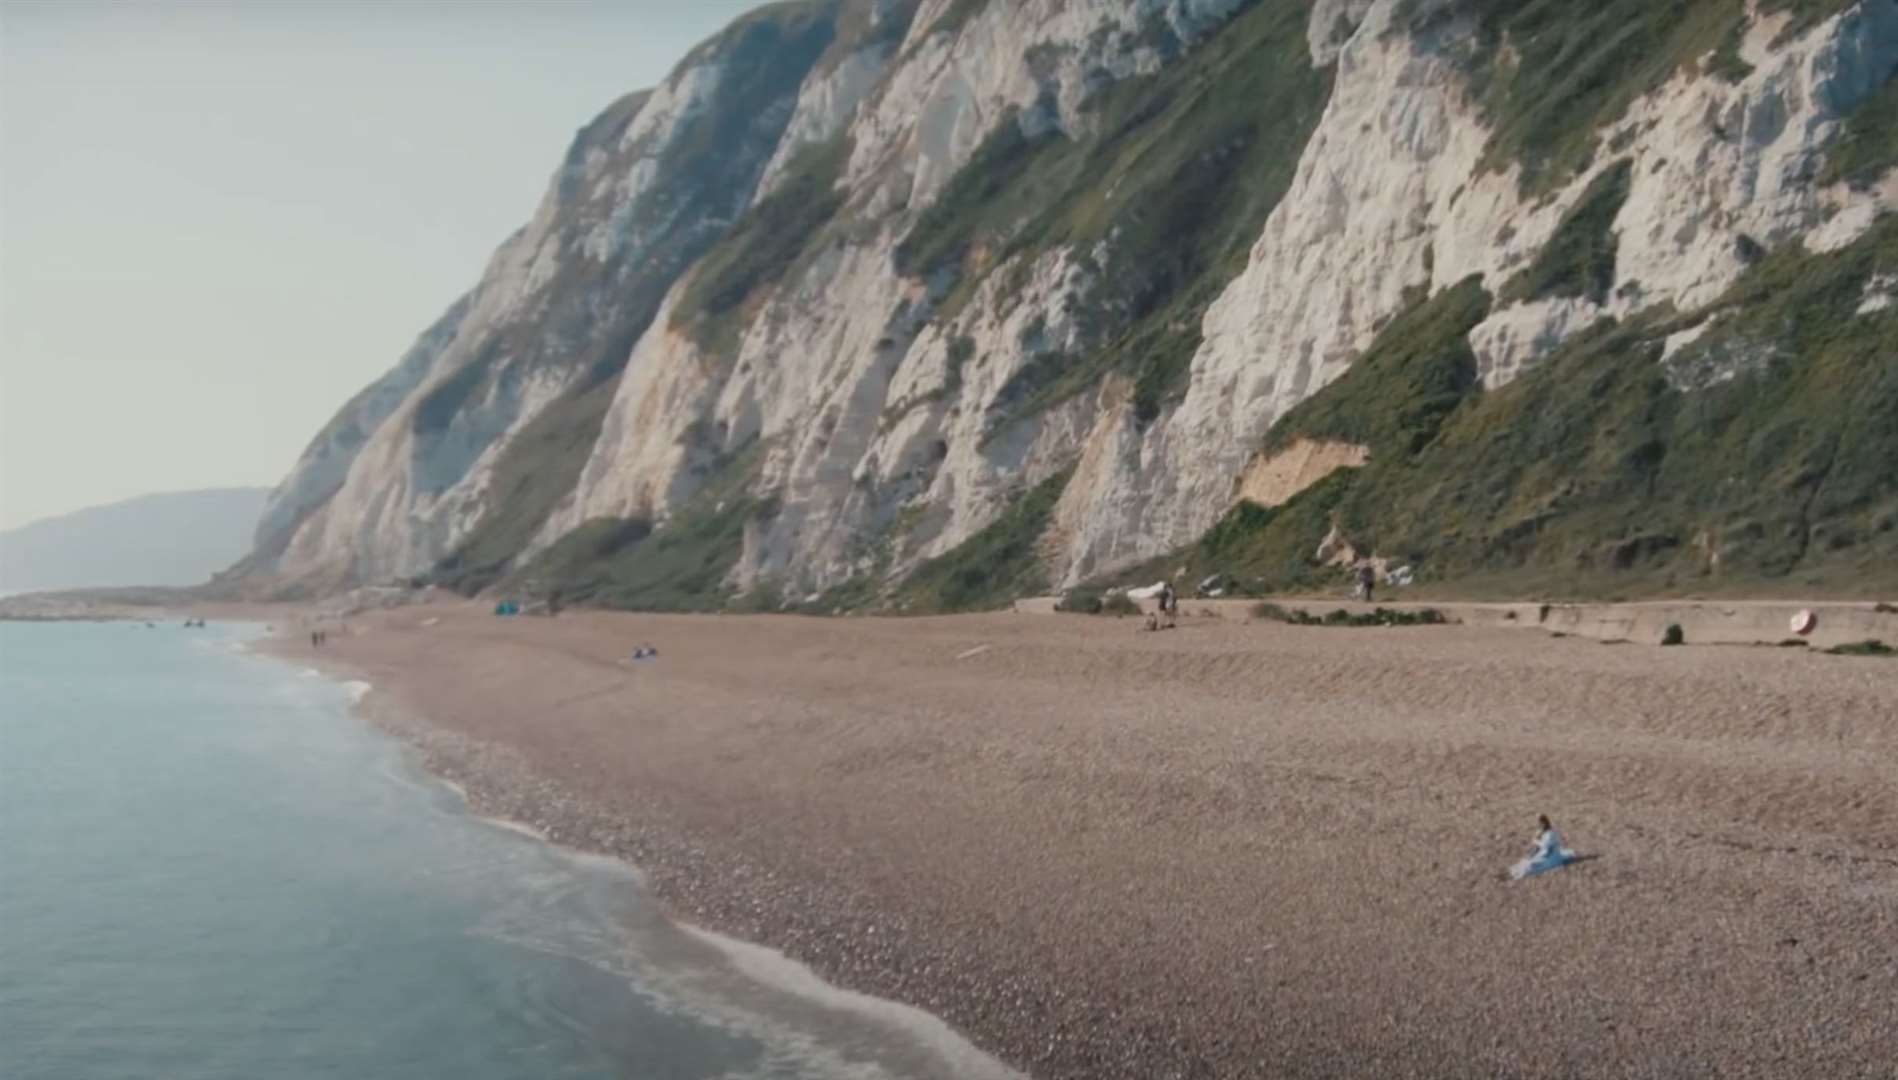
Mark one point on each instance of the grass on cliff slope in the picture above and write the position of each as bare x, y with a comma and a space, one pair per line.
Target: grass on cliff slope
1579, 259
1868, 147
1395, 398
534, 473
680, 565
1758, 459
1178, 171
993, 567
957, 16
763, 246
1550, 75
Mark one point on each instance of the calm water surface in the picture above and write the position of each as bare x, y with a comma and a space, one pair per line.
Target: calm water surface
208, 869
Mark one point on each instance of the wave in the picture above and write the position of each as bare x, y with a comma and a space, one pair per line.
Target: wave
929, 1033
594, 910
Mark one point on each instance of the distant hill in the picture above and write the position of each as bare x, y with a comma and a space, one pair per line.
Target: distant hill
179, 538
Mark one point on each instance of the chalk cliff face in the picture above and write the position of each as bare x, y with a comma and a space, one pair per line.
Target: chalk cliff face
407, 473
869, 287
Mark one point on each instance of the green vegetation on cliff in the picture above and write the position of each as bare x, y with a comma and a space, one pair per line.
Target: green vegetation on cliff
1579, 259
1552, 74
1756, 459
993, 567
540, 466
1261, 548
1748, 456
1394, 399
764, 244
1868, 147
679, 565
1177, 173
957, 15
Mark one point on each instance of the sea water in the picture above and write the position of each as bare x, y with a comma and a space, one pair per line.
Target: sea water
210, 869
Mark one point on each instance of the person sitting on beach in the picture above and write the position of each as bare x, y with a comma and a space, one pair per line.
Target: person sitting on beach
1548, 855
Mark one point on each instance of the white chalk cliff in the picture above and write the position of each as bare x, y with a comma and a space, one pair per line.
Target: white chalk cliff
885, 413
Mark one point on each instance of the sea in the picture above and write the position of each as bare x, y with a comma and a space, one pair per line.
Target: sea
211, 869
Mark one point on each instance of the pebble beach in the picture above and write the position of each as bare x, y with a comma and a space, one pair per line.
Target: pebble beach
1222, 850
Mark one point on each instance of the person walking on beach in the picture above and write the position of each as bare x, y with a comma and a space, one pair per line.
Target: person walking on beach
1367, 581
1169, 603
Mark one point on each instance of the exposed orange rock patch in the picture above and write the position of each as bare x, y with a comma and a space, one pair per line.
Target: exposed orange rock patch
1273, 480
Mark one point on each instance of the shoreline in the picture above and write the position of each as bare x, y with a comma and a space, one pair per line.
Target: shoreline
499, 789
1078, 905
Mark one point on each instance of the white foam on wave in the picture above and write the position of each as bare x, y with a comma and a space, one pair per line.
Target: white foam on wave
514, 827
773, 969
750, 990
722, 984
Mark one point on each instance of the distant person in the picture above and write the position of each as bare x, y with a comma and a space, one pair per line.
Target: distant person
1367, 581
1547, 839
1548, 855
1169, 602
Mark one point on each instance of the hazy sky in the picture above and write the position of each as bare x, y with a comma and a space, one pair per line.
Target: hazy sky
220, 220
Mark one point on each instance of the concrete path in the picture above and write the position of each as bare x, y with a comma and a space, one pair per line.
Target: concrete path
1703, 622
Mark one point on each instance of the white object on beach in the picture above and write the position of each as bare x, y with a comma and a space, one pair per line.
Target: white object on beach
977, 651
1805, 622
1549, 855
1147, 593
